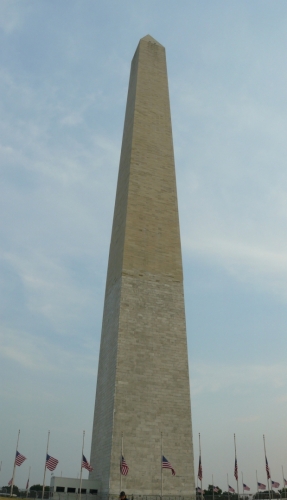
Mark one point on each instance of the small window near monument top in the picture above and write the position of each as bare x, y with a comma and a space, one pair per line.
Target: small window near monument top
93, 492
71, 490
60, 489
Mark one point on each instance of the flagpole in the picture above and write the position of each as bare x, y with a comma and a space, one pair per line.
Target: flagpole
228, 487
161, 464
257, 484
282, 478
45, 465
82, 465
242, 485
12, 484
268, 482
28, 481
201, 493
237, 467
121, 460
212, 488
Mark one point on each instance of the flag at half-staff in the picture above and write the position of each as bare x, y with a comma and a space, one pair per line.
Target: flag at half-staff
167, 465
245, 487
267, 468
274, 484
124, 467
230, 489
261, 486
199, 474
86, 465
51, 462
19, 459
236, 470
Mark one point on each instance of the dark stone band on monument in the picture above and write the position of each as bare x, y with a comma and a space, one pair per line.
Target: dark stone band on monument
142, 408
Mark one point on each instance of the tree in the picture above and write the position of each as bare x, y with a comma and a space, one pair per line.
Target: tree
39, 487
209, 491
8, 489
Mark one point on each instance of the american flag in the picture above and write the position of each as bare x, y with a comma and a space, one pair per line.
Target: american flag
19, 459
232, 490
275, 484
10, 482
236, 470
167, 465
215, 489
285, 482
51, 462
267, 469
124, 467
199, 475
198, 489
245, 487
27, 485
86, 465
261, 486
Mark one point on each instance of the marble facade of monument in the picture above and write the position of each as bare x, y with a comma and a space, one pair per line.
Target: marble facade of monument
143, 377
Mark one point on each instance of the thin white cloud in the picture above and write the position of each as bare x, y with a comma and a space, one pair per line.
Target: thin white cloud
243, 379
36, 353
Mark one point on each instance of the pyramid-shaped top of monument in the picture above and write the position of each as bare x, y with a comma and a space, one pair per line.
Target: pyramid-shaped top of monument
149, 38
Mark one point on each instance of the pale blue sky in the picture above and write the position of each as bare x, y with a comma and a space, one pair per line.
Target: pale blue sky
64, 69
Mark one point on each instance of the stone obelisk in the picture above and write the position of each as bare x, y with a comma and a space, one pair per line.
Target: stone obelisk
143, 380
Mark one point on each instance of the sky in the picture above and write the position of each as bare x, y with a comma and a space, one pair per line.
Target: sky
64, 70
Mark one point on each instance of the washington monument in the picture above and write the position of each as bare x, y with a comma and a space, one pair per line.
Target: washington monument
143, 394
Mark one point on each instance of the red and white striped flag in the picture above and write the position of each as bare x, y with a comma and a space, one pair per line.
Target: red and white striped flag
236, 470
86, 465
124, 467
51, 462
167, 465
19, 459
261, 486
199, 475
267, 469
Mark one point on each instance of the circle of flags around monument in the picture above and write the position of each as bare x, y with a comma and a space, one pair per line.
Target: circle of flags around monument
260, 486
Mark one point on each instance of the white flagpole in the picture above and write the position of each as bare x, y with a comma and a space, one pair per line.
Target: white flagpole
242, 485
28, 481
257, 484
201, 493
82, 465
13, 476
161, 464
45, 465
282, 478
268, 482
237, 466
228, 487
121, 460
212, 488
